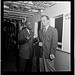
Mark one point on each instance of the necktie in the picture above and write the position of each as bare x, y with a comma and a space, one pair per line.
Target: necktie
28, 31
44, 29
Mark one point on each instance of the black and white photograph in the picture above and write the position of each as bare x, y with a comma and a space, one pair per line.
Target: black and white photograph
36, 36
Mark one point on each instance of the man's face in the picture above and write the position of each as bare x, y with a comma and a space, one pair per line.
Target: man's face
28, 24
44, 21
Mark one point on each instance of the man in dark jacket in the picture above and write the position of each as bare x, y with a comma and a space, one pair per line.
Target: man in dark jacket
25, 40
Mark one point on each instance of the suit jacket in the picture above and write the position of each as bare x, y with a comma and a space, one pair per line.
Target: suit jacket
26, 48
49, 40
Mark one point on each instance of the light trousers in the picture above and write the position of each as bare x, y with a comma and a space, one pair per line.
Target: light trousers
46, 65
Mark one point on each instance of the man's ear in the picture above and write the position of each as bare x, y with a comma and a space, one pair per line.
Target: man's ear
47, 21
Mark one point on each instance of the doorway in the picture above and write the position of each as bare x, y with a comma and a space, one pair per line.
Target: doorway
59, 27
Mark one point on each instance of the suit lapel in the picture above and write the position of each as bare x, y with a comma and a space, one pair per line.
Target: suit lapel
48, 30
44, 35
47, 33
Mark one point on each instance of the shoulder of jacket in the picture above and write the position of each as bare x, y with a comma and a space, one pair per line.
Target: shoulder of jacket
23, 30
53, 28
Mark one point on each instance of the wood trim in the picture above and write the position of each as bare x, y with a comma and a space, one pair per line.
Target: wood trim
58, 16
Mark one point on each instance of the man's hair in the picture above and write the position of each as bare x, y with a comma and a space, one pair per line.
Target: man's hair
45, 16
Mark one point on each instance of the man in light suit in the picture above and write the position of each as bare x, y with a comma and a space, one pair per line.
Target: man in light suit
49, 40
25, 41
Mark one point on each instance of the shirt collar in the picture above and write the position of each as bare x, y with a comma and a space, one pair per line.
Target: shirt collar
28, 30
47, 27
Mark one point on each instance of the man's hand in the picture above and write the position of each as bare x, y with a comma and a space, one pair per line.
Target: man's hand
52, 56
40, 44
28, 37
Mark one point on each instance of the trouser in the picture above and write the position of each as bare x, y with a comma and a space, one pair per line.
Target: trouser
46, 65
25, 65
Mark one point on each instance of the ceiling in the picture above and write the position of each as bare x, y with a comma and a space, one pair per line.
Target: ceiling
21, 9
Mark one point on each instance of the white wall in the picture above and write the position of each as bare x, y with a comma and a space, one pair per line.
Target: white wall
66, 34
58, 9
36, 30
34, 21
36, 18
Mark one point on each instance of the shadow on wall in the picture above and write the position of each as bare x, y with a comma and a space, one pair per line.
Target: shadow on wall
62, 61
